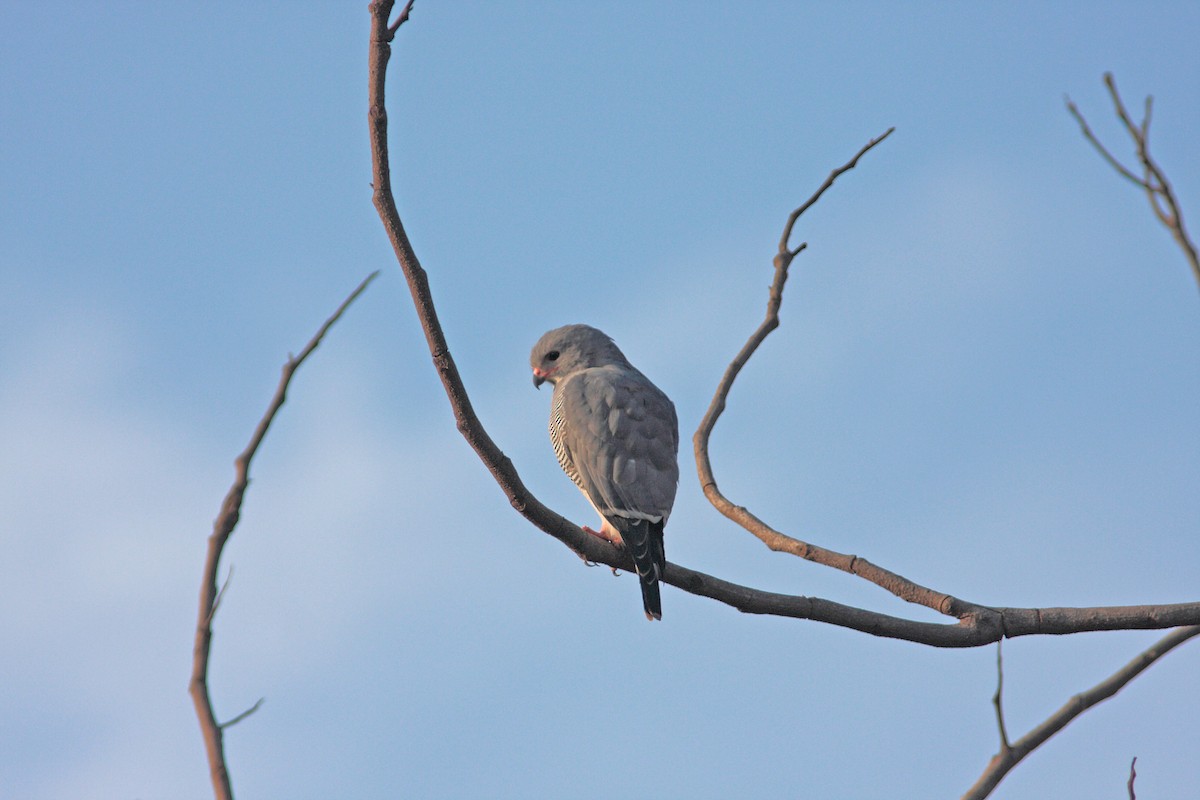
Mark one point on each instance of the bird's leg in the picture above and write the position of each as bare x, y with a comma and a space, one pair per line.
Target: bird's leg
607, 532
598, 534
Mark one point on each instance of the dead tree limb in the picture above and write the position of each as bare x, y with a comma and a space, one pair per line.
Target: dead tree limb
1008, 757
210, 596
976, 624
1153, 181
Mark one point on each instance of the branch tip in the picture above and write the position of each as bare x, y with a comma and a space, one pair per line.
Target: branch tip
403, 18
1153, 181
243, 715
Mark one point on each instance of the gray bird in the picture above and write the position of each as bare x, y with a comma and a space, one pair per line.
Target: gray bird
617, 437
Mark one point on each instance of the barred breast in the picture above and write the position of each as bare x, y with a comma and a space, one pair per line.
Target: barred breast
556, 428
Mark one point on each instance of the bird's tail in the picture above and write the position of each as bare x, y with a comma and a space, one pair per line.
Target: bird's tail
644, 541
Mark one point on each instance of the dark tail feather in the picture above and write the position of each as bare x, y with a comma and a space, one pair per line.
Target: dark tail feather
651, 599
644, 541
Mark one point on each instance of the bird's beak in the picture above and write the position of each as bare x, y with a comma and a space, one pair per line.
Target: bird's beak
538, 378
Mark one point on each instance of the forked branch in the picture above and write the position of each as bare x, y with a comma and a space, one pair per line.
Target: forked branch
1152, 180
210, 595
1008, 757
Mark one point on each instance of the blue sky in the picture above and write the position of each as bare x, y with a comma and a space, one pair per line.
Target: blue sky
985, 381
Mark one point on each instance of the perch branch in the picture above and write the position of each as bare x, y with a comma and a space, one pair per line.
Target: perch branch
1003, 762
976, 625
1153, 181
210, 596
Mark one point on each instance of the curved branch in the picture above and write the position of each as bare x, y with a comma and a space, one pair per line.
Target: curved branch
898, 585
210, 595
780, 542
977, 625
1008, 757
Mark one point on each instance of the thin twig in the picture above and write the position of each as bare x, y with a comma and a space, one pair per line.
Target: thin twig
976, 625
401, 18
998, 697
833, 176
243, 715
1101, 149
1003, 762
223, 527
212, 612
1132, 776
1153, 181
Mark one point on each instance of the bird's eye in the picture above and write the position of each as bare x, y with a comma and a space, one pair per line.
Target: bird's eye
552, 355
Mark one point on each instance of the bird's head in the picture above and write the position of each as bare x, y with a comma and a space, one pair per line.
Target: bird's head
568, 349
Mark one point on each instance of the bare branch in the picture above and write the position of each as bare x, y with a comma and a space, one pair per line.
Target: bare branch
896, 584
223, 527
243, 715
418, 283
998, 697
212, 612
810, 202
402, 18
1132, 776
976, 625
1101, 149
1153, 181
1003, 762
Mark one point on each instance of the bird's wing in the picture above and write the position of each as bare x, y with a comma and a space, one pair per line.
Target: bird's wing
621, 437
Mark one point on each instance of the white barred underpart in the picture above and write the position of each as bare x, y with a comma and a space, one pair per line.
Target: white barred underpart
556, 427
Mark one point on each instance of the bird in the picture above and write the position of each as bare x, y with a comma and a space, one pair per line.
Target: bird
616, 435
